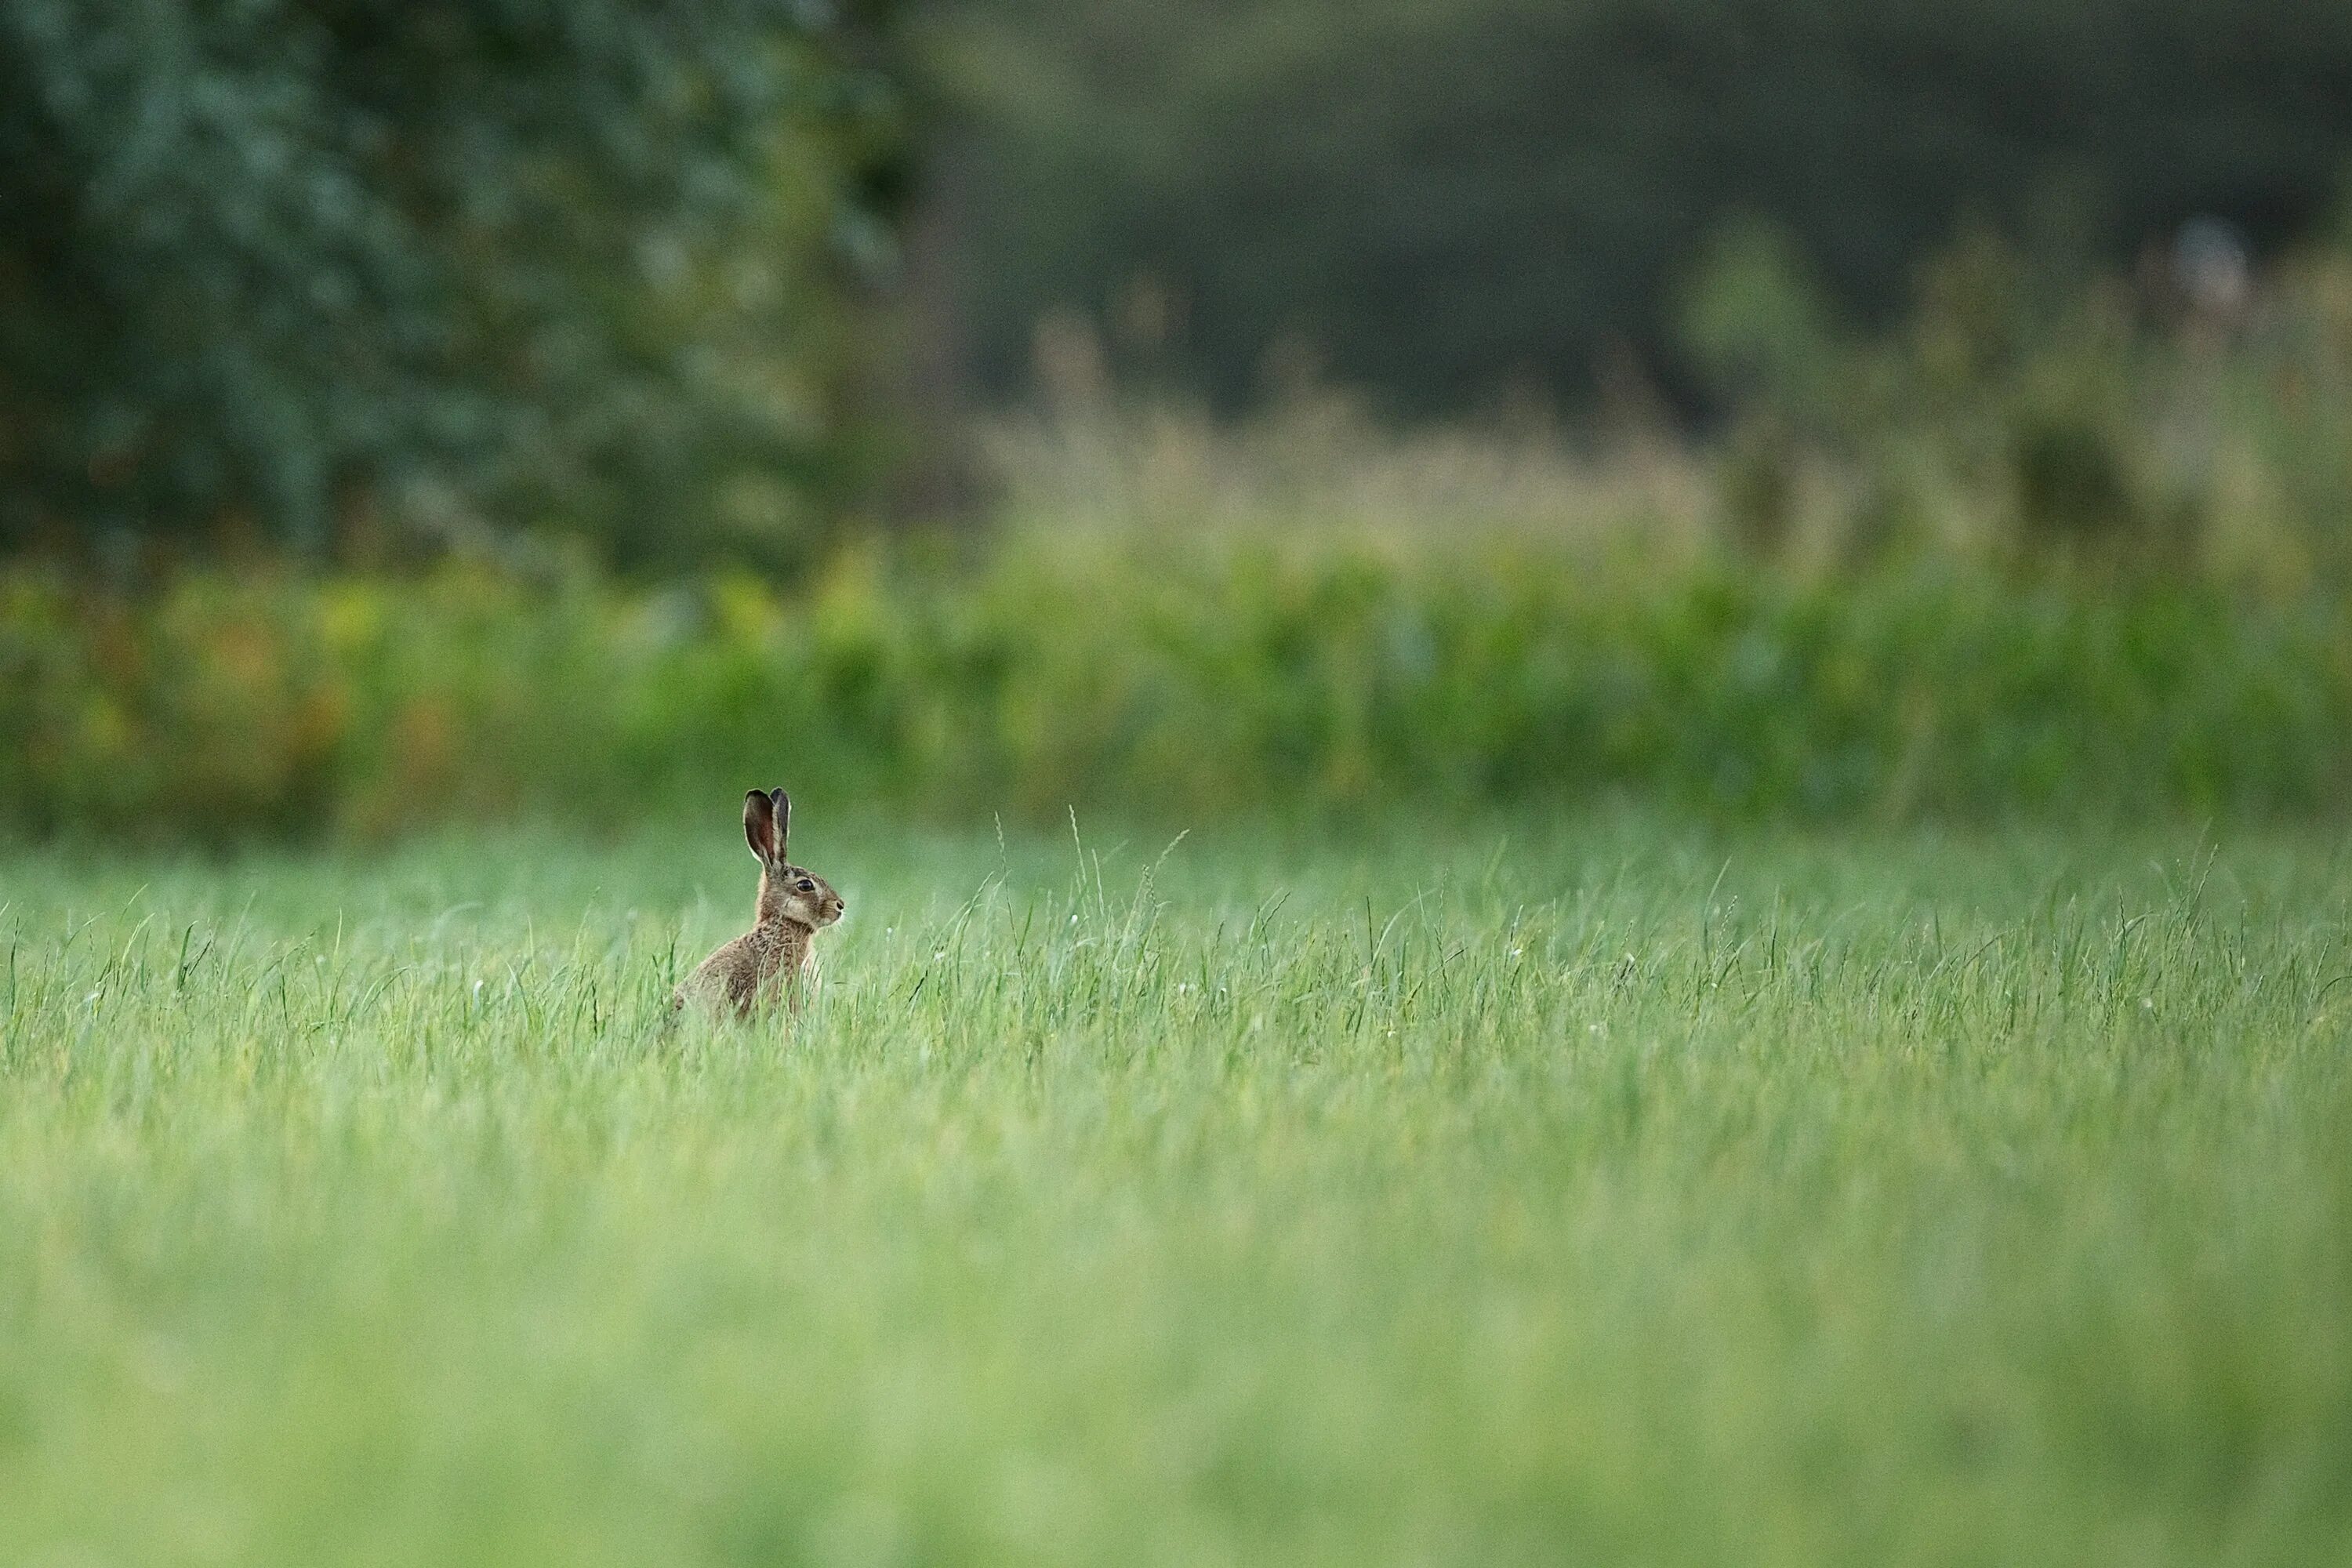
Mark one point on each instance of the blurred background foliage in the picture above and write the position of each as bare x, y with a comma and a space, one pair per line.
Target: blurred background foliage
1437, 199
310, 275
1795, 406
1187, 683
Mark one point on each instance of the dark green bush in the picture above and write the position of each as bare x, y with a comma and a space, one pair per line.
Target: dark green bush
301, 272
2071, 487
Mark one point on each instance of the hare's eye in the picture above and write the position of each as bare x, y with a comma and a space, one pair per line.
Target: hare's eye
806, 885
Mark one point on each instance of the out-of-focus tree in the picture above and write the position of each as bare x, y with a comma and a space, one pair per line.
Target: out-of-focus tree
325, 273
1440, 196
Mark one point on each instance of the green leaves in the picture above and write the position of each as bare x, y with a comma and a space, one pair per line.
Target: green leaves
1183, 683
309, 266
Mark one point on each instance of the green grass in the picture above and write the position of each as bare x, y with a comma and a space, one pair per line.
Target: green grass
1507, 1192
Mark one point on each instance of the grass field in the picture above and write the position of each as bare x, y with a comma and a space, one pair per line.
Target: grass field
1503, 1192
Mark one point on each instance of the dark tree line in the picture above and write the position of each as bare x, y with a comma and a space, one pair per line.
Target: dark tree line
1436, 197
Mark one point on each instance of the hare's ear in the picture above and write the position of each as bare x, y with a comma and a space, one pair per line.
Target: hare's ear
759, 826
784, 809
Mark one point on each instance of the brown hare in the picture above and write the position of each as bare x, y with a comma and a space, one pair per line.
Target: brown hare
772, 959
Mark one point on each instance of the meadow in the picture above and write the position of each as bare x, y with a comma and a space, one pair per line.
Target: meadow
1595, 1186
1660, 883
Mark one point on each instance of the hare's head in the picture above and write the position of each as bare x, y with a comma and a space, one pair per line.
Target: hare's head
787, 891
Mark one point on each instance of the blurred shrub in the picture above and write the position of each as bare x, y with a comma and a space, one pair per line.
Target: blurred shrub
2072, 488
2172, 420
1174, 682
316, 273
1760, 486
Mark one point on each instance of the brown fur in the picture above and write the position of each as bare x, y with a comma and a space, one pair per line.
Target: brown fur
775, 960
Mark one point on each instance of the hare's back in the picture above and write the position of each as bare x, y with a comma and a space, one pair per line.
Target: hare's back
733, 974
